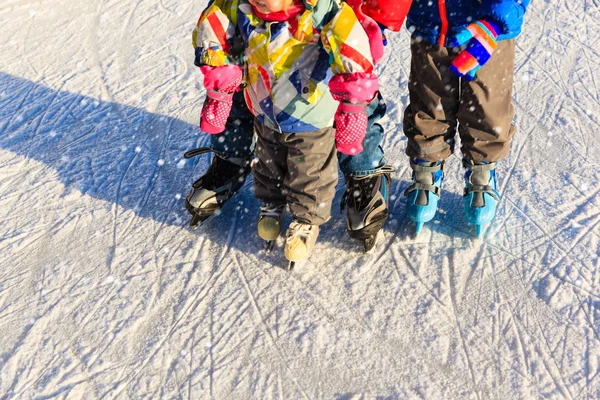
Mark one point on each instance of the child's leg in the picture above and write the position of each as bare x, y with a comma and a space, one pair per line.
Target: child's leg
310, 183
368, 180
229, 166
485, 127
271, 165
486, 111
269, 172
430, 122
312, 174
236, 141
430, 118
371, 158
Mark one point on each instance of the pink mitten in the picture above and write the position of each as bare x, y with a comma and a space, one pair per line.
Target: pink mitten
354, 91
350, 127
221, 83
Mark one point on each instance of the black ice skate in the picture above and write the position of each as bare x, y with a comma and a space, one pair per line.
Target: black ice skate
367, 201
222, 180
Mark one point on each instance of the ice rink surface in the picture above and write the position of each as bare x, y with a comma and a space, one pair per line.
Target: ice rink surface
105, 293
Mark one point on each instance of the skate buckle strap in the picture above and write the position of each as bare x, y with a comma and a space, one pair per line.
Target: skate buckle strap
481, 189
423, 168
422, 186
479, 167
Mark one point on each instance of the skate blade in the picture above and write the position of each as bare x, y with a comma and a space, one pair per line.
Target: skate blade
198, 219
269, 245
418, 227
369, 243
291, 265
196, 222
480, 230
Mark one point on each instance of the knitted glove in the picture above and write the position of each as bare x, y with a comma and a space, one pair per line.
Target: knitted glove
480, 38
221, 83
353, 91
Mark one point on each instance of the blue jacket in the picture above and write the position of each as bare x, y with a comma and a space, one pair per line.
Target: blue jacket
436, 21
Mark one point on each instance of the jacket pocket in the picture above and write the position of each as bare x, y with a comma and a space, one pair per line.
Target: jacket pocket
308, 89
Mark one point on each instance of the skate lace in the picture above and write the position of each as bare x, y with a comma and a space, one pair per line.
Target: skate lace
271, 210
298, 229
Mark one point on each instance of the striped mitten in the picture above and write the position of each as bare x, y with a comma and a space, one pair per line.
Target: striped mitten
480, 38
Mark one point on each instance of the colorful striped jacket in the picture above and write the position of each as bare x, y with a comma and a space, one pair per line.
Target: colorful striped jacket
288, 64
438, 21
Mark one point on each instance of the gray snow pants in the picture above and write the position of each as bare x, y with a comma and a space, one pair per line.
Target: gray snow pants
299, 169
440, 101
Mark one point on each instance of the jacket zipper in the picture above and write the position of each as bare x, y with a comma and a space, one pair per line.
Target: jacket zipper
443, 17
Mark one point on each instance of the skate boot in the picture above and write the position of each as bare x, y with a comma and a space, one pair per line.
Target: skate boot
269, 223
300, 239
367, 201
480, 197
424, 193
221, 181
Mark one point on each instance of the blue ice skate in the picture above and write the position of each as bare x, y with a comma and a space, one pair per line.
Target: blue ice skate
423, 194
480, 197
